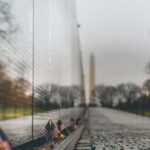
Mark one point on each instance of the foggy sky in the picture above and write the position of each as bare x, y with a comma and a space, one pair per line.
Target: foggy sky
118, 32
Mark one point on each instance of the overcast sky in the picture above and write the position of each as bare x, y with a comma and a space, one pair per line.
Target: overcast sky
118, 33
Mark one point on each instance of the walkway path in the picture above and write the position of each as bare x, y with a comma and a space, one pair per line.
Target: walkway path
109, 129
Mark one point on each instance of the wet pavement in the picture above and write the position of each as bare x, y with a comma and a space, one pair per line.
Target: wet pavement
115, 130
19, 130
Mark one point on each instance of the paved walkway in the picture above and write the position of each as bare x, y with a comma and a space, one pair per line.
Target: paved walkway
109, 129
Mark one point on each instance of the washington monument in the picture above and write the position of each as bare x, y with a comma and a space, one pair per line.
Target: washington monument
92, 81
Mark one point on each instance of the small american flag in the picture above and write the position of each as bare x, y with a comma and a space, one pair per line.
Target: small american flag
50, 131
56, 132
62, 128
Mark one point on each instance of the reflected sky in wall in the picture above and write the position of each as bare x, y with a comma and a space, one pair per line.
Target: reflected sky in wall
55, 35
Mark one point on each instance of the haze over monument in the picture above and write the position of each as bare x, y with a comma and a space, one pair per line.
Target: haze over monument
119, 36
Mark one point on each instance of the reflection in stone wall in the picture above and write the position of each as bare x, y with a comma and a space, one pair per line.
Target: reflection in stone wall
39, 65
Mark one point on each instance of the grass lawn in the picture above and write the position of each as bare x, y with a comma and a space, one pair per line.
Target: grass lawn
12, 113
19, 112
147, 114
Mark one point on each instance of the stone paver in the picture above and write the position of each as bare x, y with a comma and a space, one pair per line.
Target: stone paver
107, 133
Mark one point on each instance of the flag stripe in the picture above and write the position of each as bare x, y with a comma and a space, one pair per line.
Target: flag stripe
50, 130
44, 131
56, 131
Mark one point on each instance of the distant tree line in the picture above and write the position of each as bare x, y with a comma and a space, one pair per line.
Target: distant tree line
126, 96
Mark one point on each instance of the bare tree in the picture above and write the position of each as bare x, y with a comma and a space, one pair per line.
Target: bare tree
7, 25
147, 68
146, 85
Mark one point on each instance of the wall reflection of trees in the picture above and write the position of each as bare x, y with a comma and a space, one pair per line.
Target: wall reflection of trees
16, 99
55, 97
13, 94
